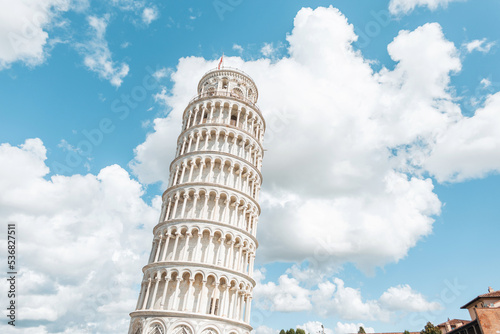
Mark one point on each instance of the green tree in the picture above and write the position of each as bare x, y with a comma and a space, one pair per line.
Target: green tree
361, 330
282, 331
405, 332
430, 329
290, 331
300, 331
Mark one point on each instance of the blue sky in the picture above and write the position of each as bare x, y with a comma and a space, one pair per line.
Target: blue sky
388, 155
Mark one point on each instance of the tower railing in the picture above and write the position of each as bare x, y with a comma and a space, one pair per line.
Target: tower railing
222, 93
228, 68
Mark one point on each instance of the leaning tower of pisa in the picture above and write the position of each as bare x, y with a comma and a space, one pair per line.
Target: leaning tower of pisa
198, 279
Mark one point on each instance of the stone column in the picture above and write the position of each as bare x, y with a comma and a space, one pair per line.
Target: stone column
175, 295
242, 305
164, 253
176, 242
247, 308
185, 196
146, 296
168, 208
186, 245
198, 244
189, 119
200, 175
195, 201
165, 289
155, 291
198, 136
205, 207
190, 142
141, 295
176, 196
160, 238
192, 166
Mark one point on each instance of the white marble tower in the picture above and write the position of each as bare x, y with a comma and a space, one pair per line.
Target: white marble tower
199, 276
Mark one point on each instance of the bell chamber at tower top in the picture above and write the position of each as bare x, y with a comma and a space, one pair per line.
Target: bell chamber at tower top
228, 82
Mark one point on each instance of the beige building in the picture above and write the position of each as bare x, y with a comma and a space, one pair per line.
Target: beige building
484, 311
488, 300
450, 325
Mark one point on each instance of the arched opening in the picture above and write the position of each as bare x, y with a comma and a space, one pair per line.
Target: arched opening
156, 328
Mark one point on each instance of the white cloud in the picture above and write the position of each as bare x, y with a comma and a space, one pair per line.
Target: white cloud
128, 5
97, 56
406, 6
23, 31
347, 328
335, 299
149, 14
479, 45
486, 82
238, 48
470, 148
344, 144
162, 73
316, 327
268, 49
264, 330
403, 297
331, 298
286, 296
82, 239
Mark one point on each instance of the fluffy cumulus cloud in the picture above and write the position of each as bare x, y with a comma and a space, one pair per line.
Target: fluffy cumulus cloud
82, 241
406, 6
403, 297
345, 328
24, 29
346, 147
470, 148
286, 296
264, 330
331, 298
97, 56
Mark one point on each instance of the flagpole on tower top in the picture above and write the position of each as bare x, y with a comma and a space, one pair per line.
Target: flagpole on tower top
221, 62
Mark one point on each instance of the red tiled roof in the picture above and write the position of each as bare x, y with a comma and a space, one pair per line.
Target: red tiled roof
454, 322
493, 294
490, 294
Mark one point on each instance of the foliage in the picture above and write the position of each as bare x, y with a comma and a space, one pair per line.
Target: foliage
430, 329
361, 330
293, 331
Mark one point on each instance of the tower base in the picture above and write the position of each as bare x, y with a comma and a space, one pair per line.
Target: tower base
162, 322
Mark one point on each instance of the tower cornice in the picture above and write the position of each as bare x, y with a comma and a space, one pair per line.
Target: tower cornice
194, 265
213, 185
175, 222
